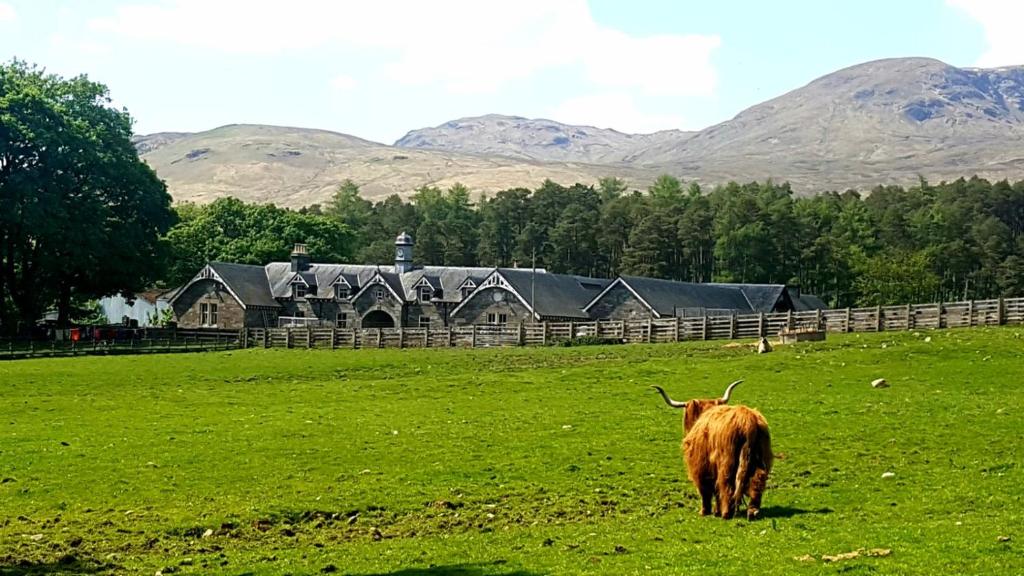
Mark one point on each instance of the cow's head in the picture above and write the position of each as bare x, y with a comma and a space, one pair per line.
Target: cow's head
694, 408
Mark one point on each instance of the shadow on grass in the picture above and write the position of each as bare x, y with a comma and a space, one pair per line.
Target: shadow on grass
67, 565
491, 569
789, 511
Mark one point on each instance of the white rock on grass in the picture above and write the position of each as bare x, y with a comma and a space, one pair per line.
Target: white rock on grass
879, 383
888, 475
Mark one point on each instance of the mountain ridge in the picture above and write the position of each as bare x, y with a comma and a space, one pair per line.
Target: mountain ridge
887, 121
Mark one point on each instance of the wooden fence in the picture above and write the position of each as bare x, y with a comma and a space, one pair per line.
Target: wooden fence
875, 319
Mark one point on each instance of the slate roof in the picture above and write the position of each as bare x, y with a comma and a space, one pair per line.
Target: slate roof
555, 295
762, 297
668, 296
802, 302
248, 282
447, 278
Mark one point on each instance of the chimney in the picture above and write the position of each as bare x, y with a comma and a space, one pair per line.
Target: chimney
300, 258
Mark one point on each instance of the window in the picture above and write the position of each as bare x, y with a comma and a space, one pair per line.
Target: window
342, 320
379, 294
499, 318
425, 293
492, 318
298, 291
207, 314
340, 291
502, 318
424, 322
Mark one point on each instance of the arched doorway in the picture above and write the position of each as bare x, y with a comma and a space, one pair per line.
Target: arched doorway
378, 319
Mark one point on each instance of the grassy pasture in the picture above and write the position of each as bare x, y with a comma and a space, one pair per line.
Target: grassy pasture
510, 462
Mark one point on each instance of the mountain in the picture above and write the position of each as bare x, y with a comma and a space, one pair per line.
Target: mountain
887, 121
879, 122
535, 139
297, 166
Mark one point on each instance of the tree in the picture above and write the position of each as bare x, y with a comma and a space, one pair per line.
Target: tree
80, 215
230, 230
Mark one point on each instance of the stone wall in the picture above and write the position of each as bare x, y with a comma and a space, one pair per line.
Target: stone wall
367, 302
482, 303
230, 314
619, 304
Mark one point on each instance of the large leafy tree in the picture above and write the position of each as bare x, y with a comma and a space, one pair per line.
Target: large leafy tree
80, 215
230, 230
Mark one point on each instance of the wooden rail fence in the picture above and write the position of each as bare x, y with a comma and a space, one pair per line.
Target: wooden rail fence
873, 319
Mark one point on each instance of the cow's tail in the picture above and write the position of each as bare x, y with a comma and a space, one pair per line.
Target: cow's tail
742, 475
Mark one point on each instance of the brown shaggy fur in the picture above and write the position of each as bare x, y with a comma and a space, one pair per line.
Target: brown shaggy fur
728, 454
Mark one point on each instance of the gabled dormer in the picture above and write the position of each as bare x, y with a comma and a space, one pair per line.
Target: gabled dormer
299, 287
424, 290
343, 290
466, 288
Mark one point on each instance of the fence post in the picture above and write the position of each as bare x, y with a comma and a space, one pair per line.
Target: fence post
704, 328
849, 320
426, 336
878, 318
938, 318
334, 337
380, 337
1001, 312
309, 337
544, 333
244, 337
675, 329
266, 340
732, 327
572, 330
817, 319
472, 342
522, 334
789, 319
401, 338
909, 319
970, 313
760, 324
355, 337
451, 336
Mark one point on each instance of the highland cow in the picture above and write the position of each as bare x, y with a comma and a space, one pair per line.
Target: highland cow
728, 452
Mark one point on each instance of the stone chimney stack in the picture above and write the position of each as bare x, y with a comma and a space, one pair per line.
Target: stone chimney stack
300, 258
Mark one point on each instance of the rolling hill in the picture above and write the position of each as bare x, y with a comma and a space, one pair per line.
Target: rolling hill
887, 121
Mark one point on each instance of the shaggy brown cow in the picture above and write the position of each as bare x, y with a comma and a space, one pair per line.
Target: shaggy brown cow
728, 452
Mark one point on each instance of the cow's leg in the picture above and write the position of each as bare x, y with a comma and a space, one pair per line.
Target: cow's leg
757, 486
706, 486
724, 494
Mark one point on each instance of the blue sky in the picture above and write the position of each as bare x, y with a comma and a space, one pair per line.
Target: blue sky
378, 69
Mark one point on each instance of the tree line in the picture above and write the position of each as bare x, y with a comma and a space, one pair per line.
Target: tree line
924, 243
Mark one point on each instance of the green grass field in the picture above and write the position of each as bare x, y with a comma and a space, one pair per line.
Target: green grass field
510, 462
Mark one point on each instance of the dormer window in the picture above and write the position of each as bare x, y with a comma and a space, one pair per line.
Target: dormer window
341, 291
298, 291
425, 293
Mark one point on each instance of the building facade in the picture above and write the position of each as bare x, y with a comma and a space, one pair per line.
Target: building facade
303, 293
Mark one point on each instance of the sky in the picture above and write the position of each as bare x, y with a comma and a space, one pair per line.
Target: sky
379, 68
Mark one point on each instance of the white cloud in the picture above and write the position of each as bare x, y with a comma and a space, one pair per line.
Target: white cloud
462, 45
612, 110
1001, 21
343, 83
7, 13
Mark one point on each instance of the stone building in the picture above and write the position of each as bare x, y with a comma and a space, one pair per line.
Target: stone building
303, 293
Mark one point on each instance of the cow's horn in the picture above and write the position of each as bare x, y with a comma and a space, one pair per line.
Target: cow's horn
728, 391
668, 400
